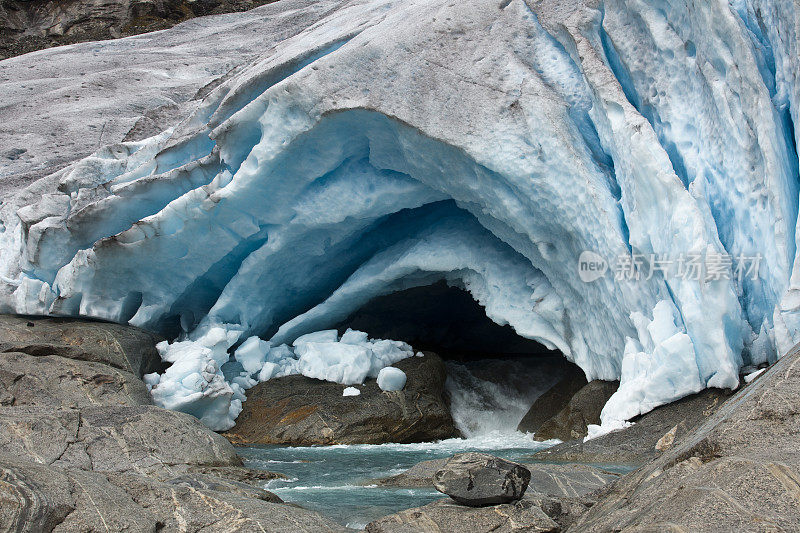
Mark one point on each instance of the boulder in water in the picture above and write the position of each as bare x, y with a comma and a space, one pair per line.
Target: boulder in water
298, 410
553, 400
478, 479
583, 409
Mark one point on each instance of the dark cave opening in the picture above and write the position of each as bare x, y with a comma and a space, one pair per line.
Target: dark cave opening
445, 320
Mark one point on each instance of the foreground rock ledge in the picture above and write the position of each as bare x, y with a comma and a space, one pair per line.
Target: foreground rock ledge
738, 471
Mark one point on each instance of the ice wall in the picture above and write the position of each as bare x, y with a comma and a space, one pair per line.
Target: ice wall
489, 144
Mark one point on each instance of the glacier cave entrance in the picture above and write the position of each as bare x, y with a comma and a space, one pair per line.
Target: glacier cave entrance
445, 320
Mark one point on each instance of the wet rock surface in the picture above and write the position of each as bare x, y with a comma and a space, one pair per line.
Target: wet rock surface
419, 475
478, 479
82, 448
582, 409
297, 410
553, 400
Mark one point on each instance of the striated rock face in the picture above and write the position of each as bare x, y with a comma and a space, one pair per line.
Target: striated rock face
38, 498
142, 439
123, 347
28, 25
583, 408
301, 411
446, 516
478, 479
738, 471
61, 382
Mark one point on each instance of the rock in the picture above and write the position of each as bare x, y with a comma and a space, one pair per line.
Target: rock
639, 443
446, 516
737, 471
567, 480
123, 347
556, 480
141, 439
583, 409
554, 400
297, 410
419, 475
564, 510
478, 479
39, 498
53, 381
185, 508
209, 482
236, 473
83, 449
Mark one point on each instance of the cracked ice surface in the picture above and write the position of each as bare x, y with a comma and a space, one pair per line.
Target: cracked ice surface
384, 145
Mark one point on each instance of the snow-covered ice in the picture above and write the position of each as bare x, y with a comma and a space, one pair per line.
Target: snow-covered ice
195, 382
324, 153
351, 391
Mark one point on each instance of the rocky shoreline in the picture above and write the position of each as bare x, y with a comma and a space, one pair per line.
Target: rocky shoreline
84, 449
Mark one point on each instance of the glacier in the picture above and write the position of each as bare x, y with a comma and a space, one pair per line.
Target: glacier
332, 152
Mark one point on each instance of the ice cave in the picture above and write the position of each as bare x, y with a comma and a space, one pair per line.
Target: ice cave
474, 149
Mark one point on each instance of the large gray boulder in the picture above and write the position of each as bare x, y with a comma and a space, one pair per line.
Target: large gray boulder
738, 471
478, 479
302, 411
123, 347
53, 381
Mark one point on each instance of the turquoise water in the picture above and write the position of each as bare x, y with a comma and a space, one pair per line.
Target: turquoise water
335, 480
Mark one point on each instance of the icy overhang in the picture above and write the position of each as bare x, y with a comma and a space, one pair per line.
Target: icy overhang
395, 144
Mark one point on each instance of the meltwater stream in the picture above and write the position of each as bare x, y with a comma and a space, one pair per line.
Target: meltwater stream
488, 399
